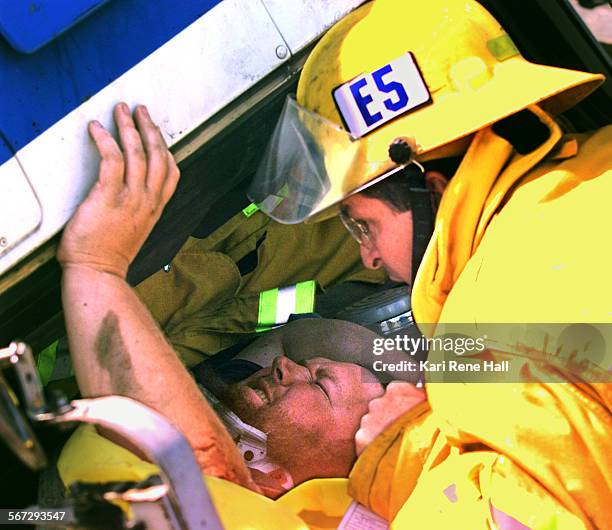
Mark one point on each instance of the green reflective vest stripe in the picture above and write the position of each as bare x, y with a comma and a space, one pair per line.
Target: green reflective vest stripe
250, 209
46, 362
276, 305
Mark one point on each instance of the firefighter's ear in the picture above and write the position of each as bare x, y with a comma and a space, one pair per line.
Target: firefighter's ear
436, 183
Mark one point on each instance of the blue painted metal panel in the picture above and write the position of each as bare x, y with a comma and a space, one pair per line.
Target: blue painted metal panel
38, 90
29, 25
5, 150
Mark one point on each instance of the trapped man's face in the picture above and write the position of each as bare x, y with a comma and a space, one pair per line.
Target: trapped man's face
310, 412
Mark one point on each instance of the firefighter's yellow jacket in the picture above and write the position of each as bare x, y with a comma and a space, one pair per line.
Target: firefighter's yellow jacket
529, 244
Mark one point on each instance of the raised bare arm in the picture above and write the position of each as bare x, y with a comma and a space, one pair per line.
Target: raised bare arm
116, 346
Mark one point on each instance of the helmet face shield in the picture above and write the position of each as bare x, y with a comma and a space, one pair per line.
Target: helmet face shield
305, 155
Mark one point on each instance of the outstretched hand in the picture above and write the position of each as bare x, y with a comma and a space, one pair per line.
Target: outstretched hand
136, 180
399, 398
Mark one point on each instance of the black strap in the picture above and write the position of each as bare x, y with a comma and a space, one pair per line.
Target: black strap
422, 218
523, 130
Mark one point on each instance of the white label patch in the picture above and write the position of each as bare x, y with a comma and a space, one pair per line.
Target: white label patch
358, 517
371, 100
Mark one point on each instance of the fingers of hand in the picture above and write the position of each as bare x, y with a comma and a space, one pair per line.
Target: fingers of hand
399, 397
401, 389
378, 404
362, 439
171, 180
372, 424
135, 160
369, 421
156, 149
143, 168
398, 385
112, 165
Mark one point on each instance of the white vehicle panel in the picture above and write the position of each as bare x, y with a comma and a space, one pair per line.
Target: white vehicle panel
20, 212
183, 83
302, 22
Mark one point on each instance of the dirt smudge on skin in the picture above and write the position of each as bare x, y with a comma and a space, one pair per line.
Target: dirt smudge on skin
113, 356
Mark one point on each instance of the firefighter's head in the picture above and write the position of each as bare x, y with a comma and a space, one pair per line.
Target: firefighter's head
392, 83
382, 220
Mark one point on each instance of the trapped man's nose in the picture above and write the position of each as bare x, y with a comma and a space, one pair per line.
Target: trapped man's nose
287, 372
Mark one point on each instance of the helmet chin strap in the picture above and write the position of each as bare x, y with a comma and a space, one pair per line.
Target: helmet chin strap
422, 218
402, 151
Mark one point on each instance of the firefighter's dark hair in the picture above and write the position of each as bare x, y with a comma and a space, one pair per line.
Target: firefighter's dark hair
394, 191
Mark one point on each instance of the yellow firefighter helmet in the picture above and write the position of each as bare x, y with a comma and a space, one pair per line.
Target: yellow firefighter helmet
395, 80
